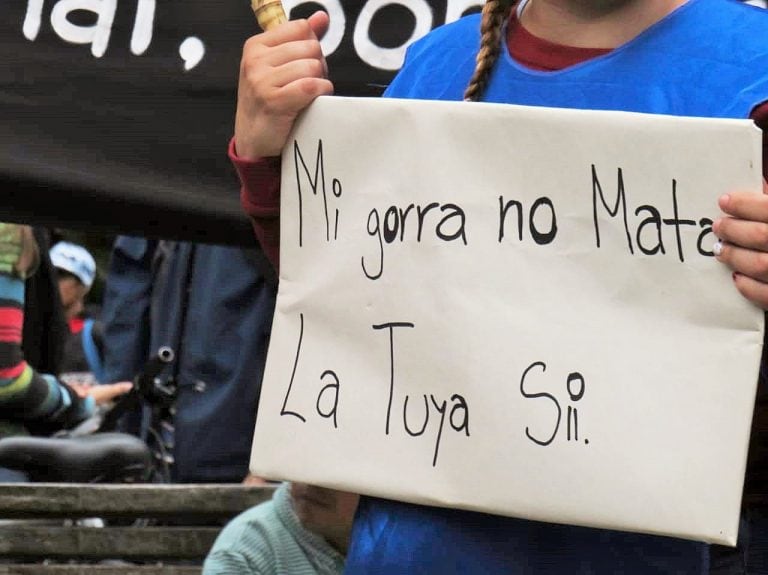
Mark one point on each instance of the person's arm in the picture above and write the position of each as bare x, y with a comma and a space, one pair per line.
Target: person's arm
25, 395
260, 198
281, 72
40, 401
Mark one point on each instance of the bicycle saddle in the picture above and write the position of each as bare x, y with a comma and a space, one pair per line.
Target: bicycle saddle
98, 458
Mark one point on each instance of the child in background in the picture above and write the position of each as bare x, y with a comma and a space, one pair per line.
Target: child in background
83, 351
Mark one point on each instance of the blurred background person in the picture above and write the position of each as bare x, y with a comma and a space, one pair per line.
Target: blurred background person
83, 350
213, 306
32, 402
303, 530
76, 271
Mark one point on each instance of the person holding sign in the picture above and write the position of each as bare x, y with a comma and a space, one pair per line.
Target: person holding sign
678, 57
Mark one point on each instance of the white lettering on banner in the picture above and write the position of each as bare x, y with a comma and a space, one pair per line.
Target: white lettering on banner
142, 27
96, 35
31, 25
389, 58
192, 49
455, 9
369, 52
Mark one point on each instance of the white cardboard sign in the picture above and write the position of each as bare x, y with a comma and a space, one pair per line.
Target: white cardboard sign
513, 310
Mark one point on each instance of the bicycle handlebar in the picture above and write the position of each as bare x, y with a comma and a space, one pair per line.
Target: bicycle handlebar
147, 386
145, 382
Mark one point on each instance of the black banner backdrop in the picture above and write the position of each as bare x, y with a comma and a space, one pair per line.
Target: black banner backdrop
115, 114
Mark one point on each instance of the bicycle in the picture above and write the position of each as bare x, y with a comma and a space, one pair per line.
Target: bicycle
93, 451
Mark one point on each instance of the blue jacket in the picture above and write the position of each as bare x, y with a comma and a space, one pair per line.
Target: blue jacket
213, 306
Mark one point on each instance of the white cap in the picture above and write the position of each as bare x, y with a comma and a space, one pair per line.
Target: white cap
76, 260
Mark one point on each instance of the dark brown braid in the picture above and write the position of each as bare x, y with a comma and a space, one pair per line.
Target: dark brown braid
495, 13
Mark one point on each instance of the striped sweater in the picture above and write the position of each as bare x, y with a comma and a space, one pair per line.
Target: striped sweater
27, 399
269, 539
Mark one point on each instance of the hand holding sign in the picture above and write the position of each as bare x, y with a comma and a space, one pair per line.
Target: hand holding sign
281, 72
742, 232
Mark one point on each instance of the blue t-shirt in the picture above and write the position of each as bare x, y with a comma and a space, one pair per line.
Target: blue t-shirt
707, 58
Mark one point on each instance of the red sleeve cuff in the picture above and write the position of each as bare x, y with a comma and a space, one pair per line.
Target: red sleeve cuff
260, 198
260, 179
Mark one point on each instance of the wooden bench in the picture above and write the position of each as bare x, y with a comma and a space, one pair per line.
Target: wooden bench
184, 521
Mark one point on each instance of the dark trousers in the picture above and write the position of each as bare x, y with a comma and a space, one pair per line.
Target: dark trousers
750, 556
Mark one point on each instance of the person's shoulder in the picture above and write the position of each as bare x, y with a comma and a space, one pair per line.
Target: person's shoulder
438, 65
706, 17
248, 531
258, 540
745, 17
744, 40
460, 33
696, 33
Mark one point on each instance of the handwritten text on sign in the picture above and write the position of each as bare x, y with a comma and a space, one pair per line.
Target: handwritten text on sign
519, 298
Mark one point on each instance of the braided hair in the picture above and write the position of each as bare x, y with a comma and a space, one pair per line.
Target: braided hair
495, 13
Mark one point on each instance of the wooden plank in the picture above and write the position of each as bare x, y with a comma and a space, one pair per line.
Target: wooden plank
43, 500
44, 542
158, 569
